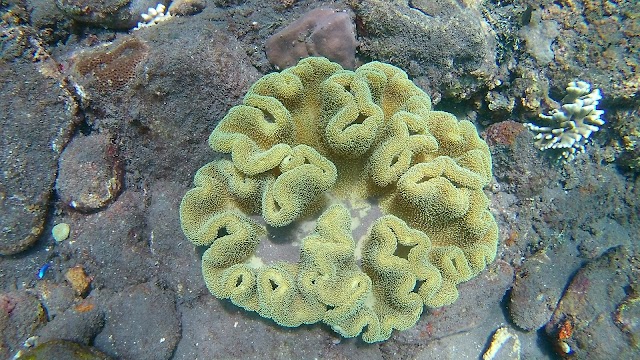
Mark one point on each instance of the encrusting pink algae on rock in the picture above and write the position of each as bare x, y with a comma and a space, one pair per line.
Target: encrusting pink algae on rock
311, 138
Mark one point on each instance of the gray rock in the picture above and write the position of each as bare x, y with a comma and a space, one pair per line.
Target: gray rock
37, 117
539, 285
443, 42
79, 323
217, 329
20, 316
141, 322
55, 297
587, 322
90, 173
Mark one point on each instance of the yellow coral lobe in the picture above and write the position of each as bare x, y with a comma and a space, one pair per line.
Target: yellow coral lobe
305, 142
305, 174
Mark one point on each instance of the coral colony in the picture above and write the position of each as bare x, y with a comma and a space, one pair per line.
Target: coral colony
153, 16
576, 121
313, 133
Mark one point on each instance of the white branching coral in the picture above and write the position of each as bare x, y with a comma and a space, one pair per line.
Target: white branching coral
577, 119
153, 16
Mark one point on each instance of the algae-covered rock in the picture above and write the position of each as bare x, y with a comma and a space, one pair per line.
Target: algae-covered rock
113, 14
312, 137
446, 41
597, 301
62, 349
38, 117
90, 175
21, 314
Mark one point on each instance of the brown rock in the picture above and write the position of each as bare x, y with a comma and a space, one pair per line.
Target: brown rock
20, 315
186, 7
90, 175
445, 44
586, 323
320, 32
36, 117
78, 279
112, 69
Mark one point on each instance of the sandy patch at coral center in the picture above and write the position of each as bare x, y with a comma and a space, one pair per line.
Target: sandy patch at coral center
283, 244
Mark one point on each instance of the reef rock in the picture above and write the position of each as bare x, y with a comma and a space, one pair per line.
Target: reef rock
320, 32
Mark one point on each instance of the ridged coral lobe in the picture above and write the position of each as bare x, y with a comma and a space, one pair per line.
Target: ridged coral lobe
316, 130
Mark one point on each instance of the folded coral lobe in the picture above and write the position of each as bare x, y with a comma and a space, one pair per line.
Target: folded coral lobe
305, 143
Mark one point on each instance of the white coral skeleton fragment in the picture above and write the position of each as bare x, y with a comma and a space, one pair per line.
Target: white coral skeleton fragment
573, 123
154, 16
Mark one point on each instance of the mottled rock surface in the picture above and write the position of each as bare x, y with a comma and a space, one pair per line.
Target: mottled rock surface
21, 314
186, 7
444, 44
585, 325
90, 173
36, 119
538, 286
516, 159
141, 322
79, 323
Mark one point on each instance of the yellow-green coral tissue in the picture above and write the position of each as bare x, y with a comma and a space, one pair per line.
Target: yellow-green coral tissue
305, 146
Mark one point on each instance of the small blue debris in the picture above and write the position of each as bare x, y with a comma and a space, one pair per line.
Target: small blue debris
43, 270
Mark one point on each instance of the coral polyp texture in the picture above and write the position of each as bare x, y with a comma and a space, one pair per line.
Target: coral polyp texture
305, 142
113, 68
573, 124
